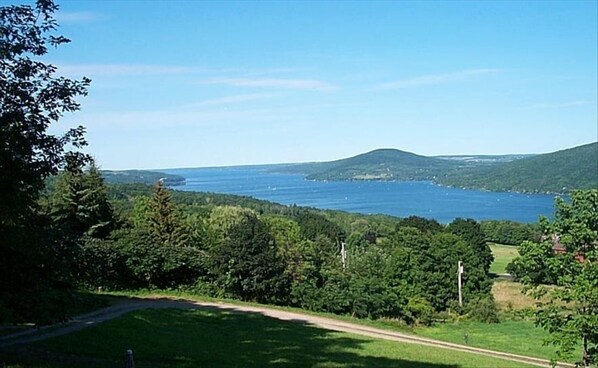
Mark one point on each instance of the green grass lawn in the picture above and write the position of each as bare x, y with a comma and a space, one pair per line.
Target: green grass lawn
518, 337
503, 255
193, 338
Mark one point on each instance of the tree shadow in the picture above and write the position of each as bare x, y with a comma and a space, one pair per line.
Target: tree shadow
211, 337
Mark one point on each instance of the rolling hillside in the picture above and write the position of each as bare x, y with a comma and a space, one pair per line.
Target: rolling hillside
382, 164
141, 176
557, 172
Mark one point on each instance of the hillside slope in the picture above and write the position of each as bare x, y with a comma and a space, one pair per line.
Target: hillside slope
382, 164
557, 172
141, 176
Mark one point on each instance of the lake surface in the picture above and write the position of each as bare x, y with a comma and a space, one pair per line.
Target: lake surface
393, 198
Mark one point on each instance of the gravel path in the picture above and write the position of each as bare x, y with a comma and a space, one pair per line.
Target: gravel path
117, 310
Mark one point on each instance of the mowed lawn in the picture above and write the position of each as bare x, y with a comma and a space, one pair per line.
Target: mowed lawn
518, 337
194, 338
503, 255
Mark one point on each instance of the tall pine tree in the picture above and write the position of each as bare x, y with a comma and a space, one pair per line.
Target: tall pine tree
79, 205
166, 225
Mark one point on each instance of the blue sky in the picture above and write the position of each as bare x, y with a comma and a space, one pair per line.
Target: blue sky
198, 83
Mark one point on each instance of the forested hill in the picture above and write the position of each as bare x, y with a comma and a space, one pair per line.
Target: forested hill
557, 172
382, 164
141, 176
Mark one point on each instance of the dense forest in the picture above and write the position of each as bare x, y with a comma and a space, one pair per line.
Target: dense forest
557, 172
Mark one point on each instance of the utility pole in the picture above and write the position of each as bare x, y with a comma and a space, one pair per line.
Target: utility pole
459, 273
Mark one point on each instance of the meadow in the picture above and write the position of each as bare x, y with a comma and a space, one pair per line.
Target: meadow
503, 255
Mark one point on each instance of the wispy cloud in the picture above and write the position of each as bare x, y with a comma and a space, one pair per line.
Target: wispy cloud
434, 79
126, 69
560, 104
296, 84
78, 17
229, 100
175, 118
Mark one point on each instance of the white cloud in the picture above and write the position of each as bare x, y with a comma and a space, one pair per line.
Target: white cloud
78, 17
228, 100
434, 79
296, 84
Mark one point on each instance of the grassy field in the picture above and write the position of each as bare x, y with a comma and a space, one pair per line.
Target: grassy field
528, 338
519, 337
178, 338
503, 255
508, 295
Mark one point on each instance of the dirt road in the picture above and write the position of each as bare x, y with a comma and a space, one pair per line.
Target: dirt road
114, 311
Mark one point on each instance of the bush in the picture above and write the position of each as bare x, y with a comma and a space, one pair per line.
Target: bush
419, 311
483, 310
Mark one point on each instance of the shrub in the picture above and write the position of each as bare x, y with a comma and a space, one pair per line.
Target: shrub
483, 310
419, 311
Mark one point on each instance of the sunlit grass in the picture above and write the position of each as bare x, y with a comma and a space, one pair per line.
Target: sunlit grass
503, 255
508, 295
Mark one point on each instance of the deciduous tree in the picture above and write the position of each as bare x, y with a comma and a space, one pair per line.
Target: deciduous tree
32, 97
569, 311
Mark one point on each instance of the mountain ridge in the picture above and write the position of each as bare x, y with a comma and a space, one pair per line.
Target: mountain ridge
555, 172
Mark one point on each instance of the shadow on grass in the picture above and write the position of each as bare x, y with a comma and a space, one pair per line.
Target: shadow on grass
209, 338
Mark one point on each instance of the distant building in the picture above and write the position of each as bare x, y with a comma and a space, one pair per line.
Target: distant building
558, 248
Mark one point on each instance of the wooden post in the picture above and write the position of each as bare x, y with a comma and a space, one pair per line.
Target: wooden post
129, 362
459, 272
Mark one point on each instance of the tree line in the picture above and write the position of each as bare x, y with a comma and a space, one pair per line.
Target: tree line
284, 255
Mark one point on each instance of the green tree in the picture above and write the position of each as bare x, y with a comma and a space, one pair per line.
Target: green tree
247, 265
286, 233
370, 292
471, 231
222, 218
428, 263
79, 204
32, 97
165, 222
313, 224
533, 266
569, 311
509, 232
421, 223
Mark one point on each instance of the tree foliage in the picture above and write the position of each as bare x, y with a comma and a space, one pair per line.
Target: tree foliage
509, 232
32, 97
568, 310
471, 231
165, 223
420, 223
79, 205
246, 264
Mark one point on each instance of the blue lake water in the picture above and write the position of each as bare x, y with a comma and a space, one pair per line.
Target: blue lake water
393, 198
